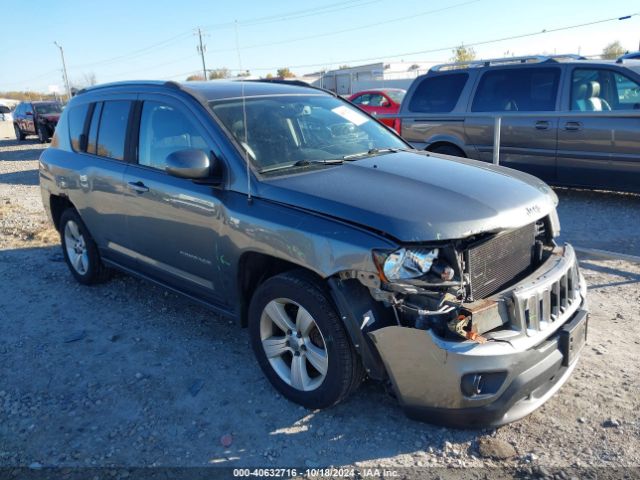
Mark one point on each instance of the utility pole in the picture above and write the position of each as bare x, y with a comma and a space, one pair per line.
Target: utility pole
201, 49
64, 71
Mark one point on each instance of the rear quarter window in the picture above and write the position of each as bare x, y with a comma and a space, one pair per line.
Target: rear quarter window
438, 94
77, 116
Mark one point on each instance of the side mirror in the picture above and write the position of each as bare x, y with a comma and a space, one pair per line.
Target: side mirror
189, 163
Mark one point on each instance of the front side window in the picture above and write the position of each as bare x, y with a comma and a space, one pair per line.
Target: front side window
517, 90
362, 99
164, 130
48, 108
289, 131
113, 129
77, 117
438, 94
603, 90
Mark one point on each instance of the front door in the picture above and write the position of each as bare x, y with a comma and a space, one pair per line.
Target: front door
173, 223
598, 132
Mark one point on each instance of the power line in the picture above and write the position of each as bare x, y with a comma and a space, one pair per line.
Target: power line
333, 7
269, 19
351, 29
451, 47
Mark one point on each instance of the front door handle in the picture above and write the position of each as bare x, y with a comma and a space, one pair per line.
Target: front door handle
138, 187
542, 125
573, 126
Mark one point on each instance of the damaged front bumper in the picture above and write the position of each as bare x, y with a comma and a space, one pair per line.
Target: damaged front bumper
523, 363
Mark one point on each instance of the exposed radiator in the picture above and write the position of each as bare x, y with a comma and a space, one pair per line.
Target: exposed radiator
494, 263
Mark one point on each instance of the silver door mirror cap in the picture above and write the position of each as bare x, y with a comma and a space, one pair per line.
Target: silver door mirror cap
188, 163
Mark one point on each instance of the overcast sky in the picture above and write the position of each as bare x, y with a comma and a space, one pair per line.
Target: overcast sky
121, 40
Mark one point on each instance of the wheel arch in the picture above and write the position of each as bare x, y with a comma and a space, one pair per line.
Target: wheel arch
58, 204
254, 268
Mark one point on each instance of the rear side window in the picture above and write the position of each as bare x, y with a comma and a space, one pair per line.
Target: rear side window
438, 94
77, 118
92, 146
113, 129
517, 90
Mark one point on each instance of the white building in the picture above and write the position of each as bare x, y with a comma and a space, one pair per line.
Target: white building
345, 81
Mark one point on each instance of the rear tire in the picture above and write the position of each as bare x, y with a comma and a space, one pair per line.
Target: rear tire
19, 134
311, 360
449, 150
80, 251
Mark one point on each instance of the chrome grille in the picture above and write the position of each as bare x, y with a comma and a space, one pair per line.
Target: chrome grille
494, 263
540, 306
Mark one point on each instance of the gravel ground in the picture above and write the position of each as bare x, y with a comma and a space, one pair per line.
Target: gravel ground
128, 374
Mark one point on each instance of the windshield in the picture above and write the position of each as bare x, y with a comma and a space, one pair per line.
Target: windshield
290, 131
4, 109
395, 95
46, 108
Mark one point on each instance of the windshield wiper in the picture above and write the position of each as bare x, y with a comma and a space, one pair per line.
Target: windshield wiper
304, 163
371, 152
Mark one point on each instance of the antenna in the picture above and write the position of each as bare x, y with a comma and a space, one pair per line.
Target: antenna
244, 118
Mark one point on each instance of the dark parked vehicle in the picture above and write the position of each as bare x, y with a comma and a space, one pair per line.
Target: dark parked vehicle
346, 253
566, 120
36, 118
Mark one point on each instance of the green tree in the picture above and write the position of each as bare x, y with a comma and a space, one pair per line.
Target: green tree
195, 78
244, 74
285, 73
219, 73
463, 54
613, 51
269, 75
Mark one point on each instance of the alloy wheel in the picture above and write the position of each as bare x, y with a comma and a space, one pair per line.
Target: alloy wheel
76, 247
293, 344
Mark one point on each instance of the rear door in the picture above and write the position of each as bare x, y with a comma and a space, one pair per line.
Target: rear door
525, 99
98, 132
173, 223
599, 130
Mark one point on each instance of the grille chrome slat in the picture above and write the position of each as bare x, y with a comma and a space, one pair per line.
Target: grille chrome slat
538, 306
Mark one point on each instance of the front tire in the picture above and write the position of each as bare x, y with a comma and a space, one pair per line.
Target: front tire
300, 343
80, 251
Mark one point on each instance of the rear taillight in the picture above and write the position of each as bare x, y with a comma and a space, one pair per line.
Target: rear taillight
397, 125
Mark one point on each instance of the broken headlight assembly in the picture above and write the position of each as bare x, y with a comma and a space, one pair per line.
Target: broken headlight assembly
412, 263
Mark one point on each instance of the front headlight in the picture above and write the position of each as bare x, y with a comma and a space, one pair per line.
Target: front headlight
408, 263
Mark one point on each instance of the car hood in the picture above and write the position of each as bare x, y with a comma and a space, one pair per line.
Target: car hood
415, 197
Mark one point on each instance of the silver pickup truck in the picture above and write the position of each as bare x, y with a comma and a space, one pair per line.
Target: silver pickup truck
345, 252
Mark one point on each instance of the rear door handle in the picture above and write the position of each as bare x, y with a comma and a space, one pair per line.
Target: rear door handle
542, 125
573, 126
138, 187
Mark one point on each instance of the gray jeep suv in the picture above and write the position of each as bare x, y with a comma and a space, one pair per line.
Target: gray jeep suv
346, 253
566, 120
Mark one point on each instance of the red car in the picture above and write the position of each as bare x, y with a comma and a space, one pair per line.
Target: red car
379, 102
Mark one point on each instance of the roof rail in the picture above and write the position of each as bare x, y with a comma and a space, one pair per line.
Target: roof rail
505, 61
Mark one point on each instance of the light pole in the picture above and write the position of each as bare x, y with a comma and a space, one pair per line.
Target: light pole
64, 71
